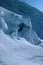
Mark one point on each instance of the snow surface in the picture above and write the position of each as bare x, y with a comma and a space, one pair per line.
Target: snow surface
21, 49
9, 23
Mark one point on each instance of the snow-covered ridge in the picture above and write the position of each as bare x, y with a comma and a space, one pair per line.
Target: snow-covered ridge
10, 24
5, 10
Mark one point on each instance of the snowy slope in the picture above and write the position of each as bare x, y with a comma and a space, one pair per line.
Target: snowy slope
26, 10
20, 49
19, 52
9, 23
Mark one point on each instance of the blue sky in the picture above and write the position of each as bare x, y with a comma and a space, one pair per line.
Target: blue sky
35, 3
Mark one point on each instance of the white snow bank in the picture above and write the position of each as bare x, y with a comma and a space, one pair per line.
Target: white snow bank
19, 52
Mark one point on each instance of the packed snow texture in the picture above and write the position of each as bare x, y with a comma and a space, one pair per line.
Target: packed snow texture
19, 51
18, 48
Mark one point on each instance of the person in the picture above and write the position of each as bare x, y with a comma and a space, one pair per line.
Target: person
21, 26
